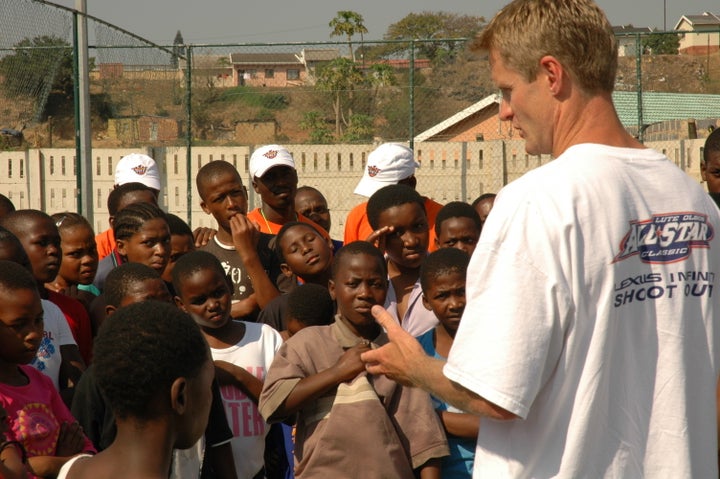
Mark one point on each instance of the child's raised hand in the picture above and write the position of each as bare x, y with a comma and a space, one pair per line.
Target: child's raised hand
379, 236
70, 440
350, 365
245, 234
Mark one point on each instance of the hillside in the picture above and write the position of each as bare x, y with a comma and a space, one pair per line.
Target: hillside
439, 93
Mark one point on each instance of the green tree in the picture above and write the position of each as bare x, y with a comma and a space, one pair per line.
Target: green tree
339, 78
660, 44
433, 28
178, 50
360, 129
38, 67
314, 122
380, 75
348, 23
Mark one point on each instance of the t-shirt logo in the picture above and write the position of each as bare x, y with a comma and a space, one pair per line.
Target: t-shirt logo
666, 238
373, 171
270, 154
140, 169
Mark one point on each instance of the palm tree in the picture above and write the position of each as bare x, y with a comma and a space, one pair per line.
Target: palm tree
348, 23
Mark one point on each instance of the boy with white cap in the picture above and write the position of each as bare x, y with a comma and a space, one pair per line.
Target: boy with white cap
388, 164
275, 179
132, 168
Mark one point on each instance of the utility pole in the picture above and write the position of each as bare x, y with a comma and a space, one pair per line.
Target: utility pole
83, 133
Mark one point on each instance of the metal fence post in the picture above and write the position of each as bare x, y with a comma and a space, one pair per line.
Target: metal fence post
638, 72
463, 171
188, 132
411, 115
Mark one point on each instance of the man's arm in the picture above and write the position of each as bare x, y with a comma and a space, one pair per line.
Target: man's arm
404, 361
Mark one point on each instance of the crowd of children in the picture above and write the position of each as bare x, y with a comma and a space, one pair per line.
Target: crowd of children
240, 358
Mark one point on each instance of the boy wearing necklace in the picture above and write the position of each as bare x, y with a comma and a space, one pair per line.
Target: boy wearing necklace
275, 179
243, 251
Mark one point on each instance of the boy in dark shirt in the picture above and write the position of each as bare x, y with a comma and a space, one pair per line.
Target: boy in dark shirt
243, 251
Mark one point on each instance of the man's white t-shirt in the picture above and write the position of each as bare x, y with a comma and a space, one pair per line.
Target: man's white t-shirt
590, 316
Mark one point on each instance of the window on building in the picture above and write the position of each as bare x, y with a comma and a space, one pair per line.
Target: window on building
269, 73
293, 74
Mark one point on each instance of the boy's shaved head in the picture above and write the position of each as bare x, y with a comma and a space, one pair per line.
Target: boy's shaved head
211, 171
354, 248
20, 221
712, 144
311, 305
440, 262
121, 280
193, 262
13, 277
6, 206
389, 197
456, 209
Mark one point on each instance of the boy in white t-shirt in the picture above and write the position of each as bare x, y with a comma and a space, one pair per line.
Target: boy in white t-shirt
242, 353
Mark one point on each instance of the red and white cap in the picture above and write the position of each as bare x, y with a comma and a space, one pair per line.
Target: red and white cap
138, 168
267, 157
387, 164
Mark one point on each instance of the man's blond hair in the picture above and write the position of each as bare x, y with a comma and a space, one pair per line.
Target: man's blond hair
576, 32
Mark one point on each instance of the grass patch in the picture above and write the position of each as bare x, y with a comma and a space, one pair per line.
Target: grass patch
257, 97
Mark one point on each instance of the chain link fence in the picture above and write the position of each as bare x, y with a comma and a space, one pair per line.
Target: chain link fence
329, 102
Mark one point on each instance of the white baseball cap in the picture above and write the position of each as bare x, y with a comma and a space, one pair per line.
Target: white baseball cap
138, 168
387, 164
267, 157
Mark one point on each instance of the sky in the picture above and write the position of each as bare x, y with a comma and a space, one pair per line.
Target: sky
235, 21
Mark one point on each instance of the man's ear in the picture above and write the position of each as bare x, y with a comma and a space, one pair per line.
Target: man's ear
111, 220
179, 303
331, 289
426, 303
178, 395
255, 186
554, 72
110, 310
286, 271
204, 207
703, 170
